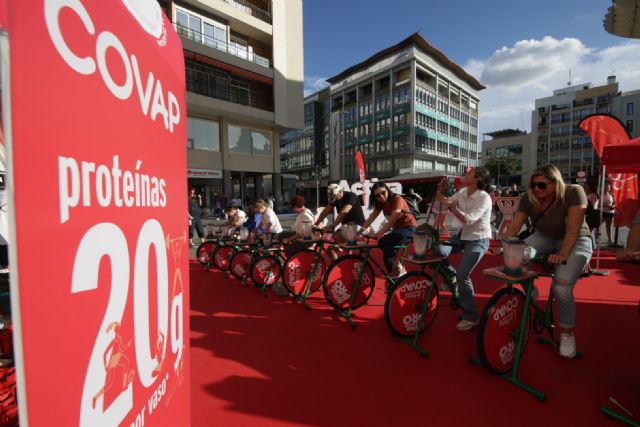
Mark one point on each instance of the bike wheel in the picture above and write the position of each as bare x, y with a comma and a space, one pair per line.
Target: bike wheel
298, 270
204, 253
265, 270
239, 264
222, 256
339, 282
404, 304
499, 330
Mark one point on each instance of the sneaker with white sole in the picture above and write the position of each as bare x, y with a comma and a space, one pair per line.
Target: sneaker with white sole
567, 345
398, 272
466, 325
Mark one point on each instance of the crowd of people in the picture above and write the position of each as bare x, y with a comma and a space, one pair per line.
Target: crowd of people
558, 220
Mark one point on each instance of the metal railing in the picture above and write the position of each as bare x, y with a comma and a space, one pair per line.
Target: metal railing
213, 86
250, 9
221, 45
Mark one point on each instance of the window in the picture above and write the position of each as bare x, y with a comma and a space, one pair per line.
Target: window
201, 29
203, 134
251, 141
630, 108
629, 125
239, 92
239, 47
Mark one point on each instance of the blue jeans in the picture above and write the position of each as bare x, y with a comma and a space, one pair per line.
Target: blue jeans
473, 250
566, 275
387, 242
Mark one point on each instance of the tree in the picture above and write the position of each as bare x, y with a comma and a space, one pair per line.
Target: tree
501, 166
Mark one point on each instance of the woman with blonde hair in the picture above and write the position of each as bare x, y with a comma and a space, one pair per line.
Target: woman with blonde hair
556, 211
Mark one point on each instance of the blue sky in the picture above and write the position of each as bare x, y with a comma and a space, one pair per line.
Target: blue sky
519, 50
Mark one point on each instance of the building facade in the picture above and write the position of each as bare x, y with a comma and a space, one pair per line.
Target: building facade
408, 108
555, 130
513, 145
244, 75
304, 152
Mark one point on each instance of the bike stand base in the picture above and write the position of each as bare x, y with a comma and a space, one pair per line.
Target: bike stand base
303, 301
416, 347
515, 381
616, 416
347, 317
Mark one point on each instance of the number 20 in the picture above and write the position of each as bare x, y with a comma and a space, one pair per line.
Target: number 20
107, 239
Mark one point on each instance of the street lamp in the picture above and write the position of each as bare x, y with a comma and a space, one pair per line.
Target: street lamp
317, 186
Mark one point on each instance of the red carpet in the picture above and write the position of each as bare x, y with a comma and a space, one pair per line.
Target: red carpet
268, 362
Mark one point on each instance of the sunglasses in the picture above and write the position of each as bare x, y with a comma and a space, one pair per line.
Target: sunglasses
540, 184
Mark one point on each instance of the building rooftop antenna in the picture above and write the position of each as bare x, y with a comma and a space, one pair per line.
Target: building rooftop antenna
569, 82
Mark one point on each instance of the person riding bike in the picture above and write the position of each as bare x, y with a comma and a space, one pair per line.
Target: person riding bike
401, 225
349, 210
471, 205
557, 212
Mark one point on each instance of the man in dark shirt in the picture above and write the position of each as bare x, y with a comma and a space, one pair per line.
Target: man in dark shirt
348, 207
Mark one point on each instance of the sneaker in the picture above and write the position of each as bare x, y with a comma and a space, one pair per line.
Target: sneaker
567, 345
454, 282
466, 325
398, 272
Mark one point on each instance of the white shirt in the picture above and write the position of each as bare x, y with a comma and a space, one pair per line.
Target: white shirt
305, 215
269, 217
476, 210
239, 214
607, 203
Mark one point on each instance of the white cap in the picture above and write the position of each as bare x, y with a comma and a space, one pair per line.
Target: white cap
332, 191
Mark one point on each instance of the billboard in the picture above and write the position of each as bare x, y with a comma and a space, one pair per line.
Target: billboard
94, 120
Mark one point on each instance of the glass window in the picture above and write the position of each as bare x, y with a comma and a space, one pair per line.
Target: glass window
203, 134
257, 142
630, 108
262, 143
239, 140
629, 126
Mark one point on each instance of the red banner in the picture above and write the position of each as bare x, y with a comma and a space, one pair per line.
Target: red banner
360, 167
624, 187
99, 265
605, 130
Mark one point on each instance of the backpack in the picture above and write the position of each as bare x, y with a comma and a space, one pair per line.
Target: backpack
413, 206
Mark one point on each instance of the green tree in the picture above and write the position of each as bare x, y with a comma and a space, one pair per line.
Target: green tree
501, 166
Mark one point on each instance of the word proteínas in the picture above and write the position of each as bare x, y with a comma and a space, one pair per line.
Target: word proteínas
86, 182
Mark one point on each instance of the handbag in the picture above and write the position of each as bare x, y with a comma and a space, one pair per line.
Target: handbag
530, 230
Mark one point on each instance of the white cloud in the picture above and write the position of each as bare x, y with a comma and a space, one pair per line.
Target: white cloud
313, 84
530, 69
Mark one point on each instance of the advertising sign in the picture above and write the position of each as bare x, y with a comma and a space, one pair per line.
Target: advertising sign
99, 255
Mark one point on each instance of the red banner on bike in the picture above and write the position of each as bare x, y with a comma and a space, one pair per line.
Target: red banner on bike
99, 264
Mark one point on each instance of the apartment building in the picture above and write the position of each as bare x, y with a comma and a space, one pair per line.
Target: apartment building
304, 152
409, 108
244, 77
513, 145
555, 130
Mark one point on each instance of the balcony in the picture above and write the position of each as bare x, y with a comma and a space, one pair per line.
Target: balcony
250, 9
221, 45
211, 85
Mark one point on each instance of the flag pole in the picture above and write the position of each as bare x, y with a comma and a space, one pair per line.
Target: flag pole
597, 271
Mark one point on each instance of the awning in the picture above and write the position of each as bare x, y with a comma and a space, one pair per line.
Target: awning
622, 158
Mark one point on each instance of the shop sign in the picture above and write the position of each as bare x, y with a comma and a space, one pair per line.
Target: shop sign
204, 173
99, 252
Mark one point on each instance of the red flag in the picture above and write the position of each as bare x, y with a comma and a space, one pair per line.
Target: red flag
605, 130
625, 195
360, 166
